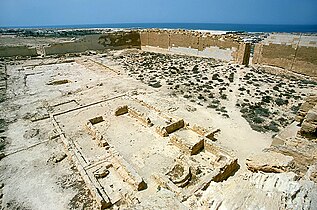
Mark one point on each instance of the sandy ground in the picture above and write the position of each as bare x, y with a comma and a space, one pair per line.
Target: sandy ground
36, 172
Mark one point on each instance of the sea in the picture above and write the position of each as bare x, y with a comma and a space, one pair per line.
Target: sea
197, 26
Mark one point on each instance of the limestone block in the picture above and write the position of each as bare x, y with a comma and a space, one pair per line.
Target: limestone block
166, 183
229, 166
215, 148
96, 134
269, 162
189, 142
101, 173
145, 120
174, 126
309, 103
170, 128
312, 115
96, 120
103, 143
309, 125
161, 131
199, 129
128, 173
121, 110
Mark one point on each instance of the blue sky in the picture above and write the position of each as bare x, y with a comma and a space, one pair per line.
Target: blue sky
70, 12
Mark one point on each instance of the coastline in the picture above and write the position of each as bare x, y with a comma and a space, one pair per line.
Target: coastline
187, 26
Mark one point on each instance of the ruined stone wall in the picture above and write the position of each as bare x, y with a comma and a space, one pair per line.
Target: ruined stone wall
158, 39
242, 55
120, 40
291, 52
114, 40
184, 39
222, 47
305, 61
8, 51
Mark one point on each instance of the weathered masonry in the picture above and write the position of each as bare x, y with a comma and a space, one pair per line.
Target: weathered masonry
9, 51
98, 42
296, 53
223, 47
114, 40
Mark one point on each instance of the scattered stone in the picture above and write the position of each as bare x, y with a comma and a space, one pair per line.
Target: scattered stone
53, 134
190, 108
155, 85
2, 155
101, 173
31, 133
56, 158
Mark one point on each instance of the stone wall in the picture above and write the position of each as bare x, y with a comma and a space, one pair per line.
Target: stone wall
113, 40
97, 42
8, 51
89, 42
158, 39
295, 53
223, 47
120, 40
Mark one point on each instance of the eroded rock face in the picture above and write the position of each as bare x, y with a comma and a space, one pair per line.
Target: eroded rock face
299, 140
292, 159
258, 191
269, 162
294, 194
304, 152
311, 173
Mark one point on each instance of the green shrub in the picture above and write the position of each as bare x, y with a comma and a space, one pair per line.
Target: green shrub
258, 120
280, 101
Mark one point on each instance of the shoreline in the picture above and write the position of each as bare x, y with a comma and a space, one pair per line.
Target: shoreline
249, 28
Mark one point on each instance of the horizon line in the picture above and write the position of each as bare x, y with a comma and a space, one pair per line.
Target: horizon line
87, 24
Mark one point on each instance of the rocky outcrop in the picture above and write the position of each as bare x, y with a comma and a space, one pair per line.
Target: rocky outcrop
272, 162
258, 191
299, 141
304, 152
283, 176
311, 173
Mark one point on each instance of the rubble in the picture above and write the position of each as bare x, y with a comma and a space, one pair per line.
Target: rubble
270, 162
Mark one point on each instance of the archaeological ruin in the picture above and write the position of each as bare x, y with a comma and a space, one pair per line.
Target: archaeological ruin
158, 119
